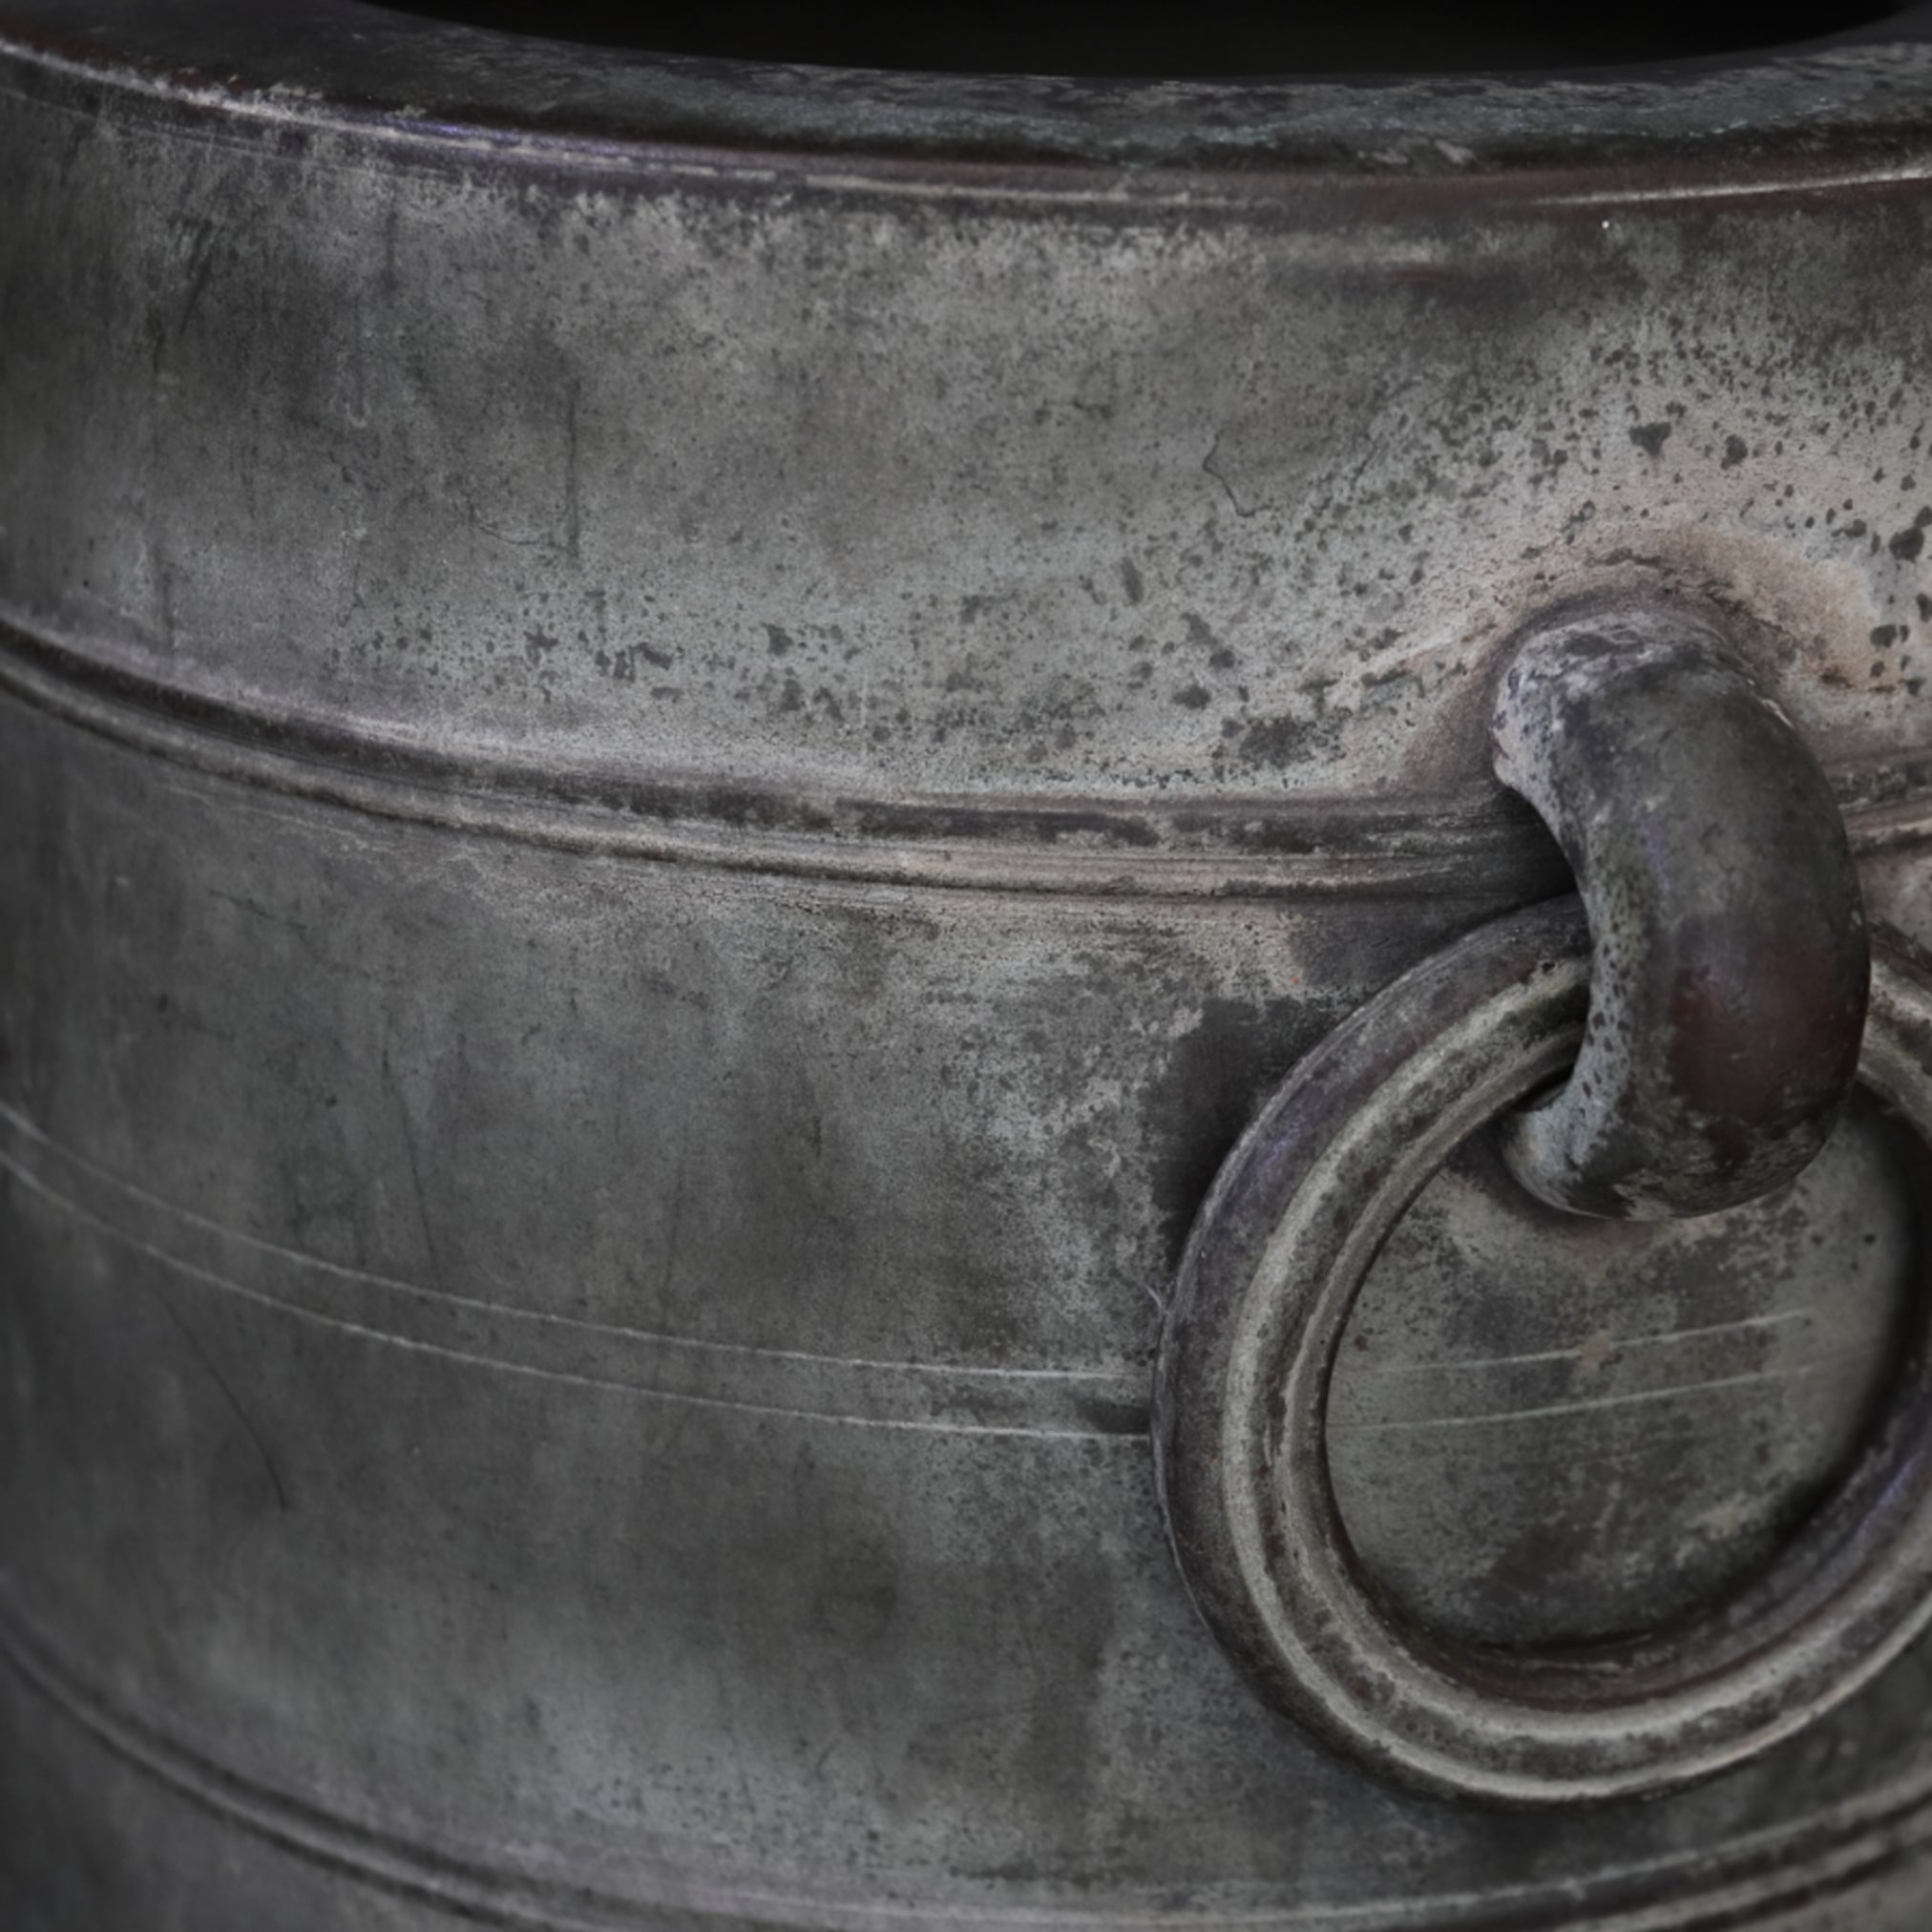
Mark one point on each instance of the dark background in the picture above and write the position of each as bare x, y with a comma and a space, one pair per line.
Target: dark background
1191, 40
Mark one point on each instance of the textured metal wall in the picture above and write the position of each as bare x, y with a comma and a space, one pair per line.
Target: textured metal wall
663, 802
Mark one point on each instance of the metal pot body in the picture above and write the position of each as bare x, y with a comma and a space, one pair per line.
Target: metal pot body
678, 749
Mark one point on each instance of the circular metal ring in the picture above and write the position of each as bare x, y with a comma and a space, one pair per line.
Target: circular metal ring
1277, 1256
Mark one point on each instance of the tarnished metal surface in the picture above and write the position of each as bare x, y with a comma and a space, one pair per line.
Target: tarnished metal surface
1259, 1318
487, 463
1545, 1429
678, 748
1728, 964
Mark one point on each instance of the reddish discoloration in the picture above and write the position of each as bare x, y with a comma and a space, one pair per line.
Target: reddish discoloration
1729, 963
1747, 1052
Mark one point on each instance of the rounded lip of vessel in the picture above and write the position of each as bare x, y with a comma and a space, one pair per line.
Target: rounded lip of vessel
1850, 111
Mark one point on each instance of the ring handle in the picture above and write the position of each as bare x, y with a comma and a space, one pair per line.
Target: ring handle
1729, 980
1248, 1354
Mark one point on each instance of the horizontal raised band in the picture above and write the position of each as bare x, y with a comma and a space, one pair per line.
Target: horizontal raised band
1477, 844
1834, 1855
1076, 1402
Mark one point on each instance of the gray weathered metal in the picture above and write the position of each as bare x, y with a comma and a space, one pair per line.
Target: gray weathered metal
1729, 968
680, 744
1248, 1359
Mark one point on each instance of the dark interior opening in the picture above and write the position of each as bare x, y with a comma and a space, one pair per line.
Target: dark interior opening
1190, 41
